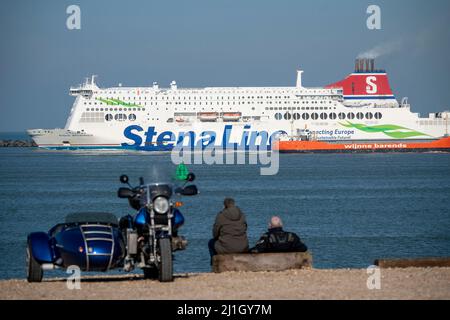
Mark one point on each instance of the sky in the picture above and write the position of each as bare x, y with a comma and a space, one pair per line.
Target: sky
202, 43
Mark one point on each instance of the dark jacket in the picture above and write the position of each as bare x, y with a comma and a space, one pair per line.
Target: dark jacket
278, 240
230, 231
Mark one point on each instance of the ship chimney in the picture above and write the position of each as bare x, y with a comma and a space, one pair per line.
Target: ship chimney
372, 65
299, 79
356, 65
361, 65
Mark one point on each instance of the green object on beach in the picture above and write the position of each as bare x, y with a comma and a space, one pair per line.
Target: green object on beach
182, 172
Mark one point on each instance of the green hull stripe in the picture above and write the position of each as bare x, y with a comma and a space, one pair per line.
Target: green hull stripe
390, 130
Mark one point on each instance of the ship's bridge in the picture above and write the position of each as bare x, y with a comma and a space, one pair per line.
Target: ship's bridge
86, 89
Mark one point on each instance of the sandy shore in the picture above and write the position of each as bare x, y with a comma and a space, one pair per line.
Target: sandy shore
411, 283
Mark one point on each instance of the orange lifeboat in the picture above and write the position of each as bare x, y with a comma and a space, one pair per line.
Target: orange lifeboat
208, 116
231, 116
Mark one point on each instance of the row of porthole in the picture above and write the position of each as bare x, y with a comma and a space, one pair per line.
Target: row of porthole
331, 116
120, 117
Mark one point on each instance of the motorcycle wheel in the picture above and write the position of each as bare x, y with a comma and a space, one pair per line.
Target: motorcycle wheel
166, 263
34, 269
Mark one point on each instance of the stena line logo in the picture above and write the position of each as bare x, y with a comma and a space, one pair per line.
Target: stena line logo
371, 87
167, 140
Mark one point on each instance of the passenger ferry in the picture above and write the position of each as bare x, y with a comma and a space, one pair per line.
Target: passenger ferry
360, 112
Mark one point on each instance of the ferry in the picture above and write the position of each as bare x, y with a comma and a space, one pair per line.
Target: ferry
358, 113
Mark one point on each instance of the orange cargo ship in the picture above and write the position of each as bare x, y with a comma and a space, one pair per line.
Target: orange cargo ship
307, 146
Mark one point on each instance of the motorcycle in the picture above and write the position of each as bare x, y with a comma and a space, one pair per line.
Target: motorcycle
95, 241
152, 234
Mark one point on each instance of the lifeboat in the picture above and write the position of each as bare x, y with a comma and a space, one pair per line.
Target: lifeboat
208, 116
231, 116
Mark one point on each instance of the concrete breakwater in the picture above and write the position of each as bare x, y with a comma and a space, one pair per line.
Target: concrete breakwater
17, 143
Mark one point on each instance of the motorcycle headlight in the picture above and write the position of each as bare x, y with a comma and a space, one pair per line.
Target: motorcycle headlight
161, 205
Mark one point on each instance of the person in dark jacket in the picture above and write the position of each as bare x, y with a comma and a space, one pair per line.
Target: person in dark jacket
278, 240
229, 231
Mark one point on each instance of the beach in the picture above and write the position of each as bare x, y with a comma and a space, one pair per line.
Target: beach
403, 284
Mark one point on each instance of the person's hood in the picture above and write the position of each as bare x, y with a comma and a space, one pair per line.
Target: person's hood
232, 213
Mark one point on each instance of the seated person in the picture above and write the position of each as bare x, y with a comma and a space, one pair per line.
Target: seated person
278, 240
229, 231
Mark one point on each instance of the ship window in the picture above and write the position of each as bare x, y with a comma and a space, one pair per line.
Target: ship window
87, 109
350, 115
132, 117
120, 117
287, 116
360, 115
314, 116
378, 115
332, 116
108, 117
323, 116
278, 116
341, 115
369, 115
305, 116
296, 116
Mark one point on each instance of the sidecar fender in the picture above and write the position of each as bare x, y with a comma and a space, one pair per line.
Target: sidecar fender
40, 247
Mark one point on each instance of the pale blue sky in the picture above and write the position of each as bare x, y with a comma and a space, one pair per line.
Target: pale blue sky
212, 43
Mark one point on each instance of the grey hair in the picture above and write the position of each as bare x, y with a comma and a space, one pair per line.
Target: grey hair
275, 222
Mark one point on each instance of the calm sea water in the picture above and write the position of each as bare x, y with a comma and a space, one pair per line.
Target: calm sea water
349, 209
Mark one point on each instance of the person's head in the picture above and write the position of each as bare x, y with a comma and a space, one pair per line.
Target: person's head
275, 222
228, 202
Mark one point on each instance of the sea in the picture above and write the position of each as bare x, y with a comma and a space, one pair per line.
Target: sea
349, 209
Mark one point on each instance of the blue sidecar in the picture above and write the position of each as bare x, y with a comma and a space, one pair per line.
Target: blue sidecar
91, 241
